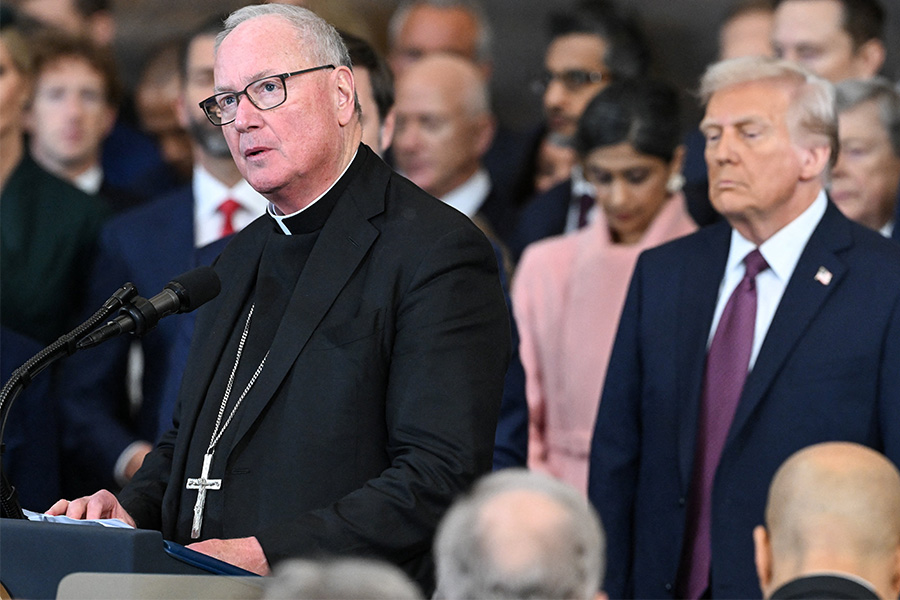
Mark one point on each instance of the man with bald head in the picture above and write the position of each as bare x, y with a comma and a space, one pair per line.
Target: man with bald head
344, 386
443, 128
520, 534
422, 27
832, 526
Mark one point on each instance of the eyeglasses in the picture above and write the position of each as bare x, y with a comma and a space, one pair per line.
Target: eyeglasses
264, 94
573, 80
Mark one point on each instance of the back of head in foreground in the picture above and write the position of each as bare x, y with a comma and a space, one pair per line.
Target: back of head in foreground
520, 535
358, 578
833, 508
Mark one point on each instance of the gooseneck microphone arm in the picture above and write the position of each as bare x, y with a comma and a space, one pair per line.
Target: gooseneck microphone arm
22, 377
138, 315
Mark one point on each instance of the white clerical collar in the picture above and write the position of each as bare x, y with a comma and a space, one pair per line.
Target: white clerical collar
468, 197
89, 182
280, 217
782, 250
888, 229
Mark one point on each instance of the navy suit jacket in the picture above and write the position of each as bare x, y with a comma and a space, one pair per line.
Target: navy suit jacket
896, 234
544, 216
511, 438
31, 455
147, 246
829, 369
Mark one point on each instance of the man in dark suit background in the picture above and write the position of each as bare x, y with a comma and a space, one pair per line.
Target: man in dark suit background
76, 99
687, 440
109, 426
832, 526
589, 46
443, 128
363, 322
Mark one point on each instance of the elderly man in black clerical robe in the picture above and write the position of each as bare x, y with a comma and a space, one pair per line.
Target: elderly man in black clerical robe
343, 387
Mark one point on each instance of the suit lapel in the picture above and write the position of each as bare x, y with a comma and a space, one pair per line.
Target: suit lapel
803, 298
343, 243
698, 294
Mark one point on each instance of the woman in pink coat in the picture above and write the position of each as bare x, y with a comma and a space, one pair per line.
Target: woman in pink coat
569, 291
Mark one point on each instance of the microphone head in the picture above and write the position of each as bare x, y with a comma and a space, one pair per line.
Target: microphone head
195, 288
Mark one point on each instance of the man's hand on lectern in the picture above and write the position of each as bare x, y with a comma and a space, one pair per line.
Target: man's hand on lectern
242, 552
101, 505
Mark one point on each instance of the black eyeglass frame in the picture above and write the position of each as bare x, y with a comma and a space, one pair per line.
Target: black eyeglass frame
540, 84
211, 104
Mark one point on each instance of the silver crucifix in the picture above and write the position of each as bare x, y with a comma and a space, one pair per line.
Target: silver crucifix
202, 484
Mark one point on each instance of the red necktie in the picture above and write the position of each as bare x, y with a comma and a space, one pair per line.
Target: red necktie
228, 208
585, 203
727, 364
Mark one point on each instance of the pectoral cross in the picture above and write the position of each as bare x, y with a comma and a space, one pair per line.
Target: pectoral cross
202, 484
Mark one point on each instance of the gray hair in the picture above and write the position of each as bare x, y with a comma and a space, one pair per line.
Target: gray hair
358, 578
812, 116
568, 563
484, 39
314, 35
853, 92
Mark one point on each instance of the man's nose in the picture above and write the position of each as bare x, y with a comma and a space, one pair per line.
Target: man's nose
247, 116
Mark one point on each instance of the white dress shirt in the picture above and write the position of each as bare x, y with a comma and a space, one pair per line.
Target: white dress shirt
90, 181
781, 251
209, 194
469, 197
580, 187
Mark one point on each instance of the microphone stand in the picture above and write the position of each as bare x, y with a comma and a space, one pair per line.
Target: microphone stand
23, 376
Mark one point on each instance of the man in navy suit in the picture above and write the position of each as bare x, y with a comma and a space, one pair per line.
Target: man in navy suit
106, 436
678, 473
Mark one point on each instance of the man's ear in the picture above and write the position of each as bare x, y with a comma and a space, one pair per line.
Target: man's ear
762, 556
386, 135
869, 58
485, 130
814, 161
109, 117
346, 94
895, 576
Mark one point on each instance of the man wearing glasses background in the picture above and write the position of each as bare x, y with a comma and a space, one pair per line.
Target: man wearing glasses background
343, 387
588, 47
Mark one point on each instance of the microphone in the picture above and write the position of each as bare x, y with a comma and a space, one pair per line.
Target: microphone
183, 294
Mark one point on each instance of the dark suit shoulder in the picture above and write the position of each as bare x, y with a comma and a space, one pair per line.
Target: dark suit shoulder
168, 206
391, 201
702, 241
47, 192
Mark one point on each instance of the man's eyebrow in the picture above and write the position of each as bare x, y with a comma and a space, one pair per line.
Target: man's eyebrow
250, 79
739, 122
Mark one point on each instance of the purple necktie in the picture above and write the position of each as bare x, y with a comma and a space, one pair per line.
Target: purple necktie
727, 363
585, 204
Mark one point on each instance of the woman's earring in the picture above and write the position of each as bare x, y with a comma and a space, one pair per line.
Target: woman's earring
675, 183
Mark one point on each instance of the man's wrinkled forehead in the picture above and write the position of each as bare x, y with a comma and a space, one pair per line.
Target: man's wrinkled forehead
257, 48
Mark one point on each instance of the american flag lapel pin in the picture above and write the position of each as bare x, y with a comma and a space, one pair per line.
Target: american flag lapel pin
823, 276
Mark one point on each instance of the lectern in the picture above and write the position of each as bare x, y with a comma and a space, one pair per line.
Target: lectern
35, 556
